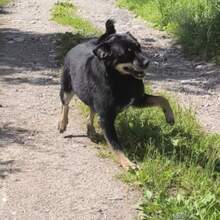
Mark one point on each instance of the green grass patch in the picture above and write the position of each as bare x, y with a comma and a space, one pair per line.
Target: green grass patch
179, 165
195, 23
66, 13
3, 2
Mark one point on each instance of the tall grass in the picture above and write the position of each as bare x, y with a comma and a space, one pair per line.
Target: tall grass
195, 23
179, 165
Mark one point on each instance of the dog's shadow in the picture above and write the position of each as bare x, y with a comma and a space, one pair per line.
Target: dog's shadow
76, 136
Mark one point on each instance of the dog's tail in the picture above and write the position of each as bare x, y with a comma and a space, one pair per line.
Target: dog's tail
109, 29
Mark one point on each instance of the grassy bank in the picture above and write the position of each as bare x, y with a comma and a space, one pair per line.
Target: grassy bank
3, 2
179, 165
195, 23
65, 13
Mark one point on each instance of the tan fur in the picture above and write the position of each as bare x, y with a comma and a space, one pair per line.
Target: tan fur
120, 68
64, 112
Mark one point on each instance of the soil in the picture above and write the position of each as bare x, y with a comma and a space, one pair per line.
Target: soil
45, 175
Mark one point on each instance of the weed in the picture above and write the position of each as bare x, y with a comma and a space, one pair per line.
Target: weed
3, 2
194, 23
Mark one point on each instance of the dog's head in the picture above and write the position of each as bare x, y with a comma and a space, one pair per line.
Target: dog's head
123, 53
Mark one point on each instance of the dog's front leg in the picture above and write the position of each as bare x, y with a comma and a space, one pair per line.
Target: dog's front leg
160, 101
107, 124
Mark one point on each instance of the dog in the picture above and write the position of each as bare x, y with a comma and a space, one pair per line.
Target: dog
106, 73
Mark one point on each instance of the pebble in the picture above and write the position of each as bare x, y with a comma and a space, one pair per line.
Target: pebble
19, 39
200, 67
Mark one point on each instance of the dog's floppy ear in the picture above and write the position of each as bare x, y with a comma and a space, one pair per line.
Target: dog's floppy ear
133, 38
102, 51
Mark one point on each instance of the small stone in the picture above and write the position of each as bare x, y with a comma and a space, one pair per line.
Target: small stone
33, 22
19, 39
200, 67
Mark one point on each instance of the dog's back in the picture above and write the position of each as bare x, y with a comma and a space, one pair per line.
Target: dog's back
83, 71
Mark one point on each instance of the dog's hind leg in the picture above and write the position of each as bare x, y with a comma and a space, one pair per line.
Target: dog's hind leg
66, 94
160, 101
91, 132
66, 98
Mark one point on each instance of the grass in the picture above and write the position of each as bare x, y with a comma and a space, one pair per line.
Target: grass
66, 13
195, 23
179, 165
3, 2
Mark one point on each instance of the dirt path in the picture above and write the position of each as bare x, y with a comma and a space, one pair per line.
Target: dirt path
196, 84
42, 174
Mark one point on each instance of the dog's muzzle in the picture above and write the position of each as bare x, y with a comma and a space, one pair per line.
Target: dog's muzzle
131, 69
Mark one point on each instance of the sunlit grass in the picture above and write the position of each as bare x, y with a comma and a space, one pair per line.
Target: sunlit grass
195, 23
3, 2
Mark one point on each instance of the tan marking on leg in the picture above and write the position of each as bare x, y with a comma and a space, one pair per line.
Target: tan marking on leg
64, 112
91, 118
91, 132
64, 118
124, 161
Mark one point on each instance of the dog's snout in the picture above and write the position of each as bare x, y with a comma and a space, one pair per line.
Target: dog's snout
142, 60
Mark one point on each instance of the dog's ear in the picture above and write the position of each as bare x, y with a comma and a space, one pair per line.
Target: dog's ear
102, 51
133, 38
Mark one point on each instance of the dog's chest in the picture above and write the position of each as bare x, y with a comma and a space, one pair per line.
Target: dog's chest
124, 106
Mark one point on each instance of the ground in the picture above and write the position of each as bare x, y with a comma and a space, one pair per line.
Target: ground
47, 175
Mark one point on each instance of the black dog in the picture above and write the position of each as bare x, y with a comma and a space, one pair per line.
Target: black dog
107, 73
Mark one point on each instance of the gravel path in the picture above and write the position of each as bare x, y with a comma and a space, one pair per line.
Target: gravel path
196, 84
42, 174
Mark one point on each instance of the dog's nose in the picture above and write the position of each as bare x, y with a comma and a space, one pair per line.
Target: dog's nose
146, 63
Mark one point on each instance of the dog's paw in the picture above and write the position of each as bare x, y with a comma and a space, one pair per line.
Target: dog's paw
133, 167
170, 118
61, 126
97, 138
171, 121
93, 135
126, 164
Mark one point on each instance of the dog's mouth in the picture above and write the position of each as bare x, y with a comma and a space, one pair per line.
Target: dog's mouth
136, 73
